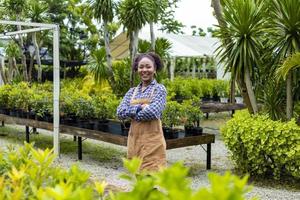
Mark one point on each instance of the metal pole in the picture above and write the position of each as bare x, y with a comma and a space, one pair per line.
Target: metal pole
56, 82
27, 24
23, 31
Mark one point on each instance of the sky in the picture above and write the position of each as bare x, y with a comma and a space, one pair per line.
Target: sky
195, 12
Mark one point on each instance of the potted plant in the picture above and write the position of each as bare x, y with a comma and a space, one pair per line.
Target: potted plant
206, 88
19, 99
84, 112
171, 117
192, 117
4, 97
68, 108
105, 106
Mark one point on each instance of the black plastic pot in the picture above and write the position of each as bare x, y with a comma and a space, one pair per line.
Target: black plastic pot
48, 118
31, 115
101, 125
206, 99
192, 131
13, 113
170, 133
216, 98
4, 111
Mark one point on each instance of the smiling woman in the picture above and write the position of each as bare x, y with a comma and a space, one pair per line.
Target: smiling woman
144, 105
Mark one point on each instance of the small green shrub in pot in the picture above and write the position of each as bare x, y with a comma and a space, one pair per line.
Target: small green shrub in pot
172, 116
68, 100
206, 86
105, 106
192, 117
84, 108
19, 97
42, 105
4, 97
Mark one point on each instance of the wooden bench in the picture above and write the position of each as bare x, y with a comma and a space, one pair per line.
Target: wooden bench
81, 133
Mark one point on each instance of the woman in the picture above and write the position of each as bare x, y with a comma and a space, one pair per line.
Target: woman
144, 105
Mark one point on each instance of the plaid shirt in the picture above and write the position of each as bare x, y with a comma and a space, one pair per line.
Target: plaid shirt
152, 111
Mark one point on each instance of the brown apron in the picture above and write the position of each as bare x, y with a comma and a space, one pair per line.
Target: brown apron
146, 140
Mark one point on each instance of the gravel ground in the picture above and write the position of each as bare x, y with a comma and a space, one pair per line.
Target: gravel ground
194, 157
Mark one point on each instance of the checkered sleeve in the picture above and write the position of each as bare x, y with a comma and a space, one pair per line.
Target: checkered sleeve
125, 110
155, 108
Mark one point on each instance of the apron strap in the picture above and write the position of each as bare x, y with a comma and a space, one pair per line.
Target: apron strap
134, 93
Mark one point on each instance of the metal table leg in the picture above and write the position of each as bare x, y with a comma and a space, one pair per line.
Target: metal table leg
208, 156
79, 148
27, 134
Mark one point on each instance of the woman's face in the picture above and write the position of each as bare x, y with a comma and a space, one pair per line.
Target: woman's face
146, 69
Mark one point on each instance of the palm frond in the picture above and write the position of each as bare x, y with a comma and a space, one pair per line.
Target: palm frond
289, 64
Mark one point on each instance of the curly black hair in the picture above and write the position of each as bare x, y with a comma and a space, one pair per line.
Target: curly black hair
158, 64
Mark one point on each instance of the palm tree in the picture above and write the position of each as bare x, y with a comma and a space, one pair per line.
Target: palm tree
285, 28
16, 8
104, 10
216, 4
240, 35
134, 14
158, 7
98, 66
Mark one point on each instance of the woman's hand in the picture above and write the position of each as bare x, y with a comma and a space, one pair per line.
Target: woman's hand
144, 106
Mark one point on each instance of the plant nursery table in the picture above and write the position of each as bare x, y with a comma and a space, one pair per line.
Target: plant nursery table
215, 107
115, 138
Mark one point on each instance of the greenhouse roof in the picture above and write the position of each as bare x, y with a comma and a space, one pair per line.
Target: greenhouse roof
182, 45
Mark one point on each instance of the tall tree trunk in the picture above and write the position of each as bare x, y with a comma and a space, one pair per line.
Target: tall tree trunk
172, 67
133, 47
152, 48
10, 70
232, 90
15, 67
2, 66
108, 54
289, 96
216, 4
30, 68
245, 95
23, 57
250, 91
37, 57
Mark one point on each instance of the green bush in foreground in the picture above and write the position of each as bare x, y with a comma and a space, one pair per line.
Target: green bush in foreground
26, 173
261, 146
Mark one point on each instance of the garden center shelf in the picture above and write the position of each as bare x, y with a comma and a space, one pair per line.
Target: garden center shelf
118, 139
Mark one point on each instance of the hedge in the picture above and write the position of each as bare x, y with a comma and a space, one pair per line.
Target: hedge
260, 146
